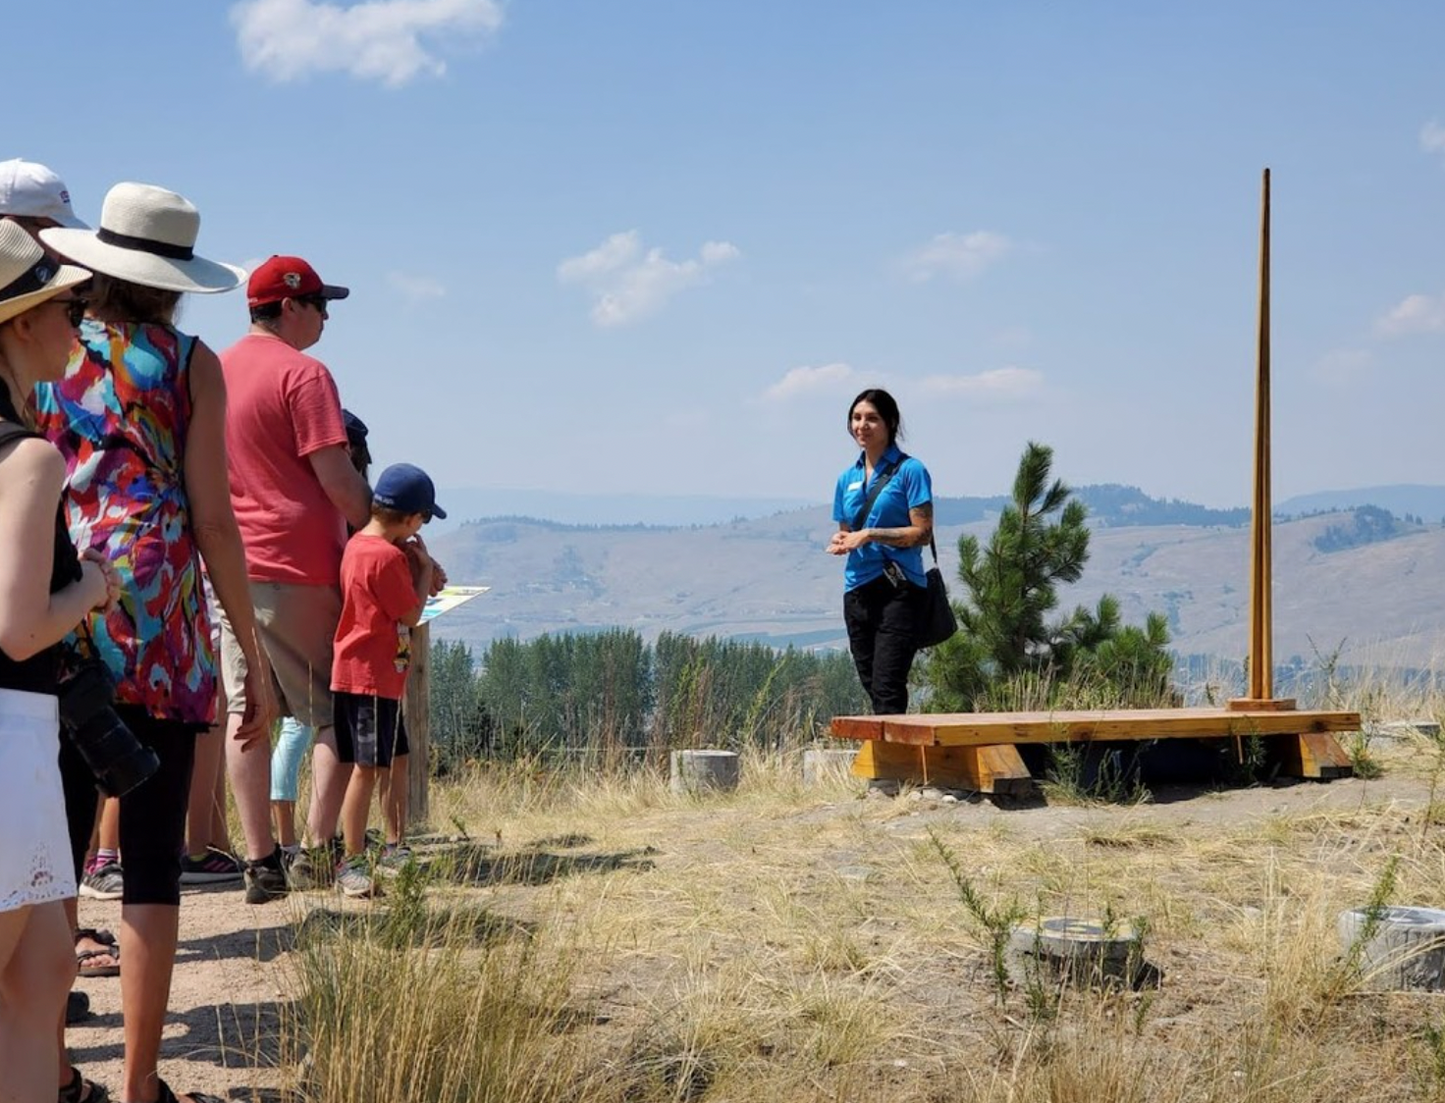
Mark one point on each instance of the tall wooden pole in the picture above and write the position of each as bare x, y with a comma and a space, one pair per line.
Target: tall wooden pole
1260, 691
1261, 618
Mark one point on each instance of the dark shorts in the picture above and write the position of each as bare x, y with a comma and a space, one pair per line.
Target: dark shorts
369, 729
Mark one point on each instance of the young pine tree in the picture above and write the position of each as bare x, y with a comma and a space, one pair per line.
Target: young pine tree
1006, 640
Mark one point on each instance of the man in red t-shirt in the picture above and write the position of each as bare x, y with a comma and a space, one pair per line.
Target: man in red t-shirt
386, 575
294, 490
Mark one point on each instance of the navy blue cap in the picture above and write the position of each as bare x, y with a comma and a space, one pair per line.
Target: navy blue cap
406, 488
356, 429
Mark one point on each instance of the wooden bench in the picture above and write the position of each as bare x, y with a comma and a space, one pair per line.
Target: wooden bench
979, 750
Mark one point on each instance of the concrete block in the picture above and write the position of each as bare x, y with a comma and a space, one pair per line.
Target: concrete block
703, 771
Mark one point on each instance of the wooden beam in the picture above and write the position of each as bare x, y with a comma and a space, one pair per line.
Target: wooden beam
990, 728
416, 706
997, 769
1314, 755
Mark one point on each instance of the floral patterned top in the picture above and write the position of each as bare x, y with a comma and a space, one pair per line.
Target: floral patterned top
120, 417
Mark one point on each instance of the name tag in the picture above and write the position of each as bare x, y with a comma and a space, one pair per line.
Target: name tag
856, 486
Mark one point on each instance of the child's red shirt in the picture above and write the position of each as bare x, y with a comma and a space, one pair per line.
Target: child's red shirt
373, 646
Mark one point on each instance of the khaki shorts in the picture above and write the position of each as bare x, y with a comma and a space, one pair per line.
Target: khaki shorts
297, 624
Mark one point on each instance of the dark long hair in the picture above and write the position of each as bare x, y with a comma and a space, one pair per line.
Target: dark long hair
887, 409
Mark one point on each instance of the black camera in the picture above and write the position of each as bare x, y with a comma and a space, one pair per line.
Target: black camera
88, 717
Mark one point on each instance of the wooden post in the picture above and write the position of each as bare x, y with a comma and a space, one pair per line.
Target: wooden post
417, 706
1260, 690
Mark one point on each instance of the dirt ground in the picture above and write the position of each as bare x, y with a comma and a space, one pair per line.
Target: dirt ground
232, 986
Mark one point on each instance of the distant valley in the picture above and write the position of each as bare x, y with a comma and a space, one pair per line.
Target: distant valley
1378, 587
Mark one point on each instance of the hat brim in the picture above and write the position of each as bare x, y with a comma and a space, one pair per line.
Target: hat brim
331, 291
197, 275
66, 276
437, 512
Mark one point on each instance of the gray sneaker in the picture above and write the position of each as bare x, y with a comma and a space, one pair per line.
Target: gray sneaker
394, 857
353, 878
103, 883
265, 881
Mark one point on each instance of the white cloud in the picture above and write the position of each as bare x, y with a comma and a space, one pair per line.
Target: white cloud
824, 379
416, 288
1432, 137
1414, 314
627, 284
997, 384
1344, 366
378, 40
958, 256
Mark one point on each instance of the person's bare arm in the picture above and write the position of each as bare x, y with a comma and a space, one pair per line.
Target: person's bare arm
419, 560
343, 484
918, 531
217, 535
32, 475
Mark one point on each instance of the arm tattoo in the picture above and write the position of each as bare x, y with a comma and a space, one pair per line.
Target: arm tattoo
908, 537
894, 538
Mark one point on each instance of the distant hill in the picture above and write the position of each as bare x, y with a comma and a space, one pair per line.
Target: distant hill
769, 579
1425, 502
471, 504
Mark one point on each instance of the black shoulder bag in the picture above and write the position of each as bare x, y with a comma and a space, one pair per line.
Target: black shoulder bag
938, 622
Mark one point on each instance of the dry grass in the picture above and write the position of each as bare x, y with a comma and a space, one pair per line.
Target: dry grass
783, 943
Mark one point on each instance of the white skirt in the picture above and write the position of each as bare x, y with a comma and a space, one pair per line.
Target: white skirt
35, 855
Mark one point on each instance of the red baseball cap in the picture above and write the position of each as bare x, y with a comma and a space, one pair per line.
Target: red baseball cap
288, 278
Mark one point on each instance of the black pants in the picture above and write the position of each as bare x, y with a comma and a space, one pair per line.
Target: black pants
882, 624
152, 816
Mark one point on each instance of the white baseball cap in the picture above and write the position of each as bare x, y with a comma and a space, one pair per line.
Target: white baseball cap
28, 190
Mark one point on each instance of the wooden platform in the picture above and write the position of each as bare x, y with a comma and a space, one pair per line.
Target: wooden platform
979, 750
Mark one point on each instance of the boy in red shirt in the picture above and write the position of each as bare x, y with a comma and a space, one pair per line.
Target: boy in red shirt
386, 575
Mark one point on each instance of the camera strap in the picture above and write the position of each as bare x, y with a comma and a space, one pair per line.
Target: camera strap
880, 480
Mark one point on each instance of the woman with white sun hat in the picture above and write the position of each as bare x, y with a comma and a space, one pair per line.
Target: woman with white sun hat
45, 591
140, 420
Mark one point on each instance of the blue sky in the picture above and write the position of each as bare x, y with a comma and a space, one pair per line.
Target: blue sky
654, 246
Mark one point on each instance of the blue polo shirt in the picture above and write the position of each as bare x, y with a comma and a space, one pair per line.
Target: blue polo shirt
909, 488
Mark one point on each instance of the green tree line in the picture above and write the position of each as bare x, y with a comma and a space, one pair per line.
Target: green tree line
612, 693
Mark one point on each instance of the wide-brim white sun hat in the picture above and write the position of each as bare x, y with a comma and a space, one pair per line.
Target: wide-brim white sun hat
27, 276
147, 236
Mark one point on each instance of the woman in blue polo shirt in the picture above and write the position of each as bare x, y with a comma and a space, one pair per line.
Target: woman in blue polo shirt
884, 508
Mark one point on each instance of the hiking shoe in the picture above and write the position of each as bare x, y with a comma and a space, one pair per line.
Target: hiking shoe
215, 868
311, 868
354, 879
393, 857
105, 882
265, 881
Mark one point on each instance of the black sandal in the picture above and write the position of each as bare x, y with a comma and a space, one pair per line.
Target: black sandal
84, 957
81, 1090
165, 1095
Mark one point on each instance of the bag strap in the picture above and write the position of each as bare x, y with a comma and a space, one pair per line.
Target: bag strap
10, 430
880, 480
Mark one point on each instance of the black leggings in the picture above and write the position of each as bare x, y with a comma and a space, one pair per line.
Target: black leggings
882, 621
152, 816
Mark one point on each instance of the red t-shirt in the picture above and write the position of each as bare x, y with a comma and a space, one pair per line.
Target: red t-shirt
373, 646
281, 406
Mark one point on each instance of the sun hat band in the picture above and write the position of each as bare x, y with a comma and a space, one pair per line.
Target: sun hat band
41, 273
146, 245
27, 276
147, 236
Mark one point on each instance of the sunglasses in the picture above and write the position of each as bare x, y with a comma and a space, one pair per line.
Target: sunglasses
316, 302
74, 310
